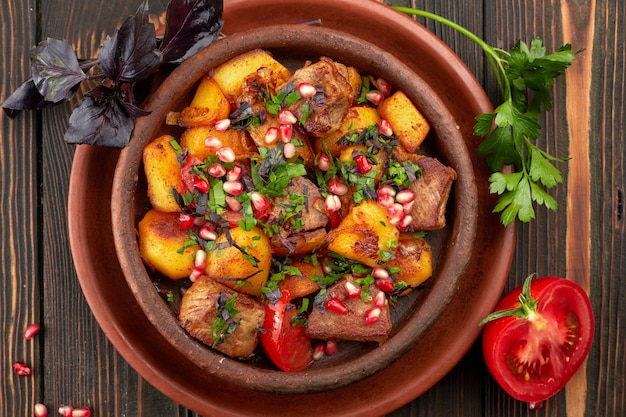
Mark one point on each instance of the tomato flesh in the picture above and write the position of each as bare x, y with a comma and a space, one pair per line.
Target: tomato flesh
286, 344
533, 358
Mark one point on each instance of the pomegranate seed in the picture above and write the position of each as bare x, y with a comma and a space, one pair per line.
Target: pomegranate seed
337, 188
271, 135
212, 142
222, 125
380, 299
408, 206
217, 170
335, 305
372, 315
323, 162
383, 86
199, 261
386, 190
335, 219
286, 132
405, 196
333, 203
363, 163
233, 204
41, 410
404, 224
31, 331
384, 284
233, 187
235, 173
375, 97
225, 154
285, 117
289, 151
66, 411
354, 291
318, 351
380, 273
186, 221
22, 369
206, 232
386, 196
259, 201
331, 347
200, 184
395, 213
195, 274
306, 90
81, 412
385, 128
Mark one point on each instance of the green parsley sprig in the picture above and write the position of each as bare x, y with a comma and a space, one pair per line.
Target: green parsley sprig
525, 76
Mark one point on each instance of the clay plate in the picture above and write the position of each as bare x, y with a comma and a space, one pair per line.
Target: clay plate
423, 365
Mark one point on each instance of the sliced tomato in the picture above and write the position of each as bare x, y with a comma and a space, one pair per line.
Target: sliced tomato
285, 343
538, 337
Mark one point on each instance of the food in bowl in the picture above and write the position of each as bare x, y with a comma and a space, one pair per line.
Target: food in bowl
289, 207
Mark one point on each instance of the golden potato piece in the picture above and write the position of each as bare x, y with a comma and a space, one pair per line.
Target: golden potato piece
357, 119
245, 272
414, 257
364, 235
162, 173
302, 285
408, 124
194, 139
209, 95
160, 242
230, 75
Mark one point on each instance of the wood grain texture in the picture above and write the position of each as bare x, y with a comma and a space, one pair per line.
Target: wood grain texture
585, 239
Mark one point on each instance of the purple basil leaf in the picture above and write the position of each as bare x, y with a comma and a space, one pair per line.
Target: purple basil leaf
56, 70
191, 26
133, 110
25, 97
100, 119
132, 53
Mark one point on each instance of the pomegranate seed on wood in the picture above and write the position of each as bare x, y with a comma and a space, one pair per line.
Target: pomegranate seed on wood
331, 347
66, 411
336, 305
81, 412
319, 351
22, 369
31, 331
40, 410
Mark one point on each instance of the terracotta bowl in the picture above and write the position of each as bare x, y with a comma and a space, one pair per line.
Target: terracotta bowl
414, 314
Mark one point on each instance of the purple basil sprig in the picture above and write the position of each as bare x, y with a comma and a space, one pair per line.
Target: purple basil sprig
105, 116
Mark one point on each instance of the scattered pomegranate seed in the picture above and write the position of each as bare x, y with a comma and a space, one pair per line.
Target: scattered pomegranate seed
408, 206
195, 274
363, 163
380, 299
22, 369
186, 221
380, 273
217, 170
225, 154
222, 125
375, 97
31, 331
335, 305
335, 219
385, 128
386, 196
287, 118
206, 232
372, 315
333, 203
318, 351
259, 201
289, 151
337, 188
306, 90
395, 213
331, 347
233, 187
271, 135
235, 173
286, 132
81, 412
404, 224
40, 410
212, 142
384, 284
323, 162
233, 204
354, 291
200, 184
66, 411
199, 262
405, 196
383, 86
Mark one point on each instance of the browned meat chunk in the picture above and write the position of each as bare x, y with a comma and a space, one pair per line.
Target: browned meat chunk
326, 324
327, 114
199, 312
432, 190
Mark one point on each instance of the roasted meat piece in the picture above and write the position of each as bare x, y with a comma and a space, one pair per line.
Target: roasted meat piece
325, 323
199, 311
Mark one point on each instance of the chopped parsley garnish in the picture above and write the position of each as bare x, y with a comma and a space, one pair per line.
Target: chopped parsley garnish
225, 322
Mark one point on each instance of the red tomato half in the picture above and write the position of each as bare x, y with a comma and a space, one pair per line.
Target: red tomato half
533, 355
286, 345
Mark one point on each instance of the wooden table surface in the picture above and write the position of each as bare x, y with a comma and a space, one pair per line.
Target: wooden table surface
74, 363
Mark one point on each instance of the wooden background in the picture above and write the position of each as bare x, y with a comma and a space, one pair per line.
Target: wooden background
585, 240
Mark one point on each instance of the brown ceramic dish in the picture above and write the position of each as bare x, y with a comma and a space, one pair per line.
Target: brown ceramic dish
413, 315
423, 365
